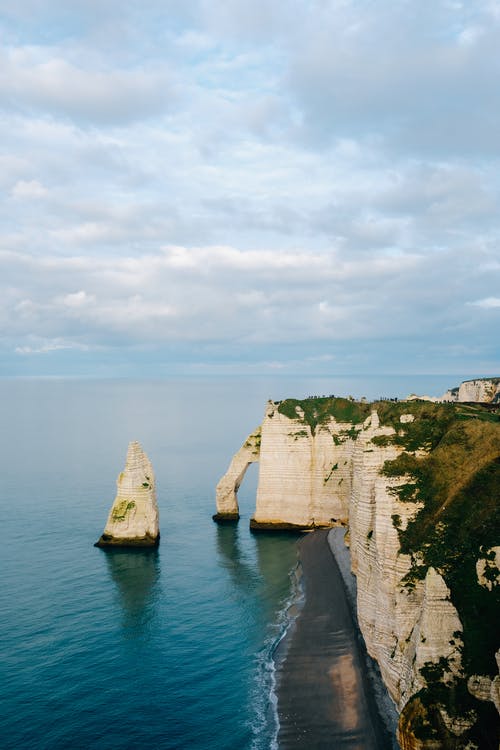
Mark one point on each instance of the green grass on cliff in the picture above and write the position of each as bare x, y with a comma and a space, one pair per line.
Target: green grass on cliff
431, 419
458, 483
452, 460
318, 410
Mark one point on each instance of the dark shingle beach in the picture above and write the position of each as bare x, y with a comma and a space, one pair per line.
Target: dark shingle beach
324, 700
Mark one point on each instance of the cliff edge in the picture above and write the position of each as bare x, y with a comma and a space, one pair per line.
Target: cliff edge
417, 485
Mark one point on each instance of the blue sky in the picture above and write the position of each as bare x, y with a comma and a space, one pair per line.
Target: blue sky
266, 187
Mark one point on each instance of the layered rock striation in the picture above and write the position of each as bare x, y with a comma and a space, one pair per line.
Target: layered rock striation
133, 520
227, 489
417, 485
482, 390
479, 390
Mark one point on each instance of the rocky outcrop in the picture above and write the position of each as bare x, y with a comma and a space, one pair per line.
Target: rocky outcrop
323, 469
486, 688
484, 390
227, 489
480, 390
313, 486
133, 520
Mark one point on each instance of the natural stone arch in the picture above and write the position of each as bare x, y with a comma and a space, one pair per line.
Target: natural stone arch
227, 489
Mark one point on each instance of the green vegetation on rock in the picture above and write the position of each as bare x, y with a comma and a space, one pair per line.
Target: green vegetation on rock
319, 409
458, 484
450, 466
121, 509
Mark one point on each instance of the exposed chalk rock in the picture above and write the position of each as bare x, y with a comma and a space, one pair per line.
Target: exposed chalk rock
485, 688
133, 519
227, 489
316, 470
481, 390
485, 390
312, 485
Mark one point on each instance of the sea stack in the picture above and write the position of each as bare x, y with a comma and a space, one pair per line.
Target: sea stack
133, 520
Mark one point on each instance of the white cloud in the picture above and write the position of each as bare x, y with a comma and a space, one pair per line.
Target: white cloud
48, 346
209, 173
26, 189
77, 299
31, 78
487, 302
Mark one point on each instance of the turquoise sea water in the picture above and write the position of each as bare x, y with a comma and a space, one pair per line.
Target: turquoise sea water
162, 649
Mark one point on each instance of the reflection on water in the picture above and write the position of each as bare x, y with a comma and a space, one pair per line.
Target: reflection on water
267, 572
136, 575
232, 557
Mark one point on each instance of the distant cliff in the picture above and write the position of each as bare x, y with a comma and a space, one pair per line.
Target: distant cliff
484, 390
479, 390
417, 485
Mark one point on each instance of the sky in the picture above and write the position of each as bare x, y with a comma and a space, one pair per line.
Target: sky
227, 187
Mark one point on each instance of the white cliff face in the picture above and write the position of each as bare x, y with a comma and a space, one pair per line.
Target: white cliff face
312, 485
227, 489
133, 518
404, 627
482, 390
332, 474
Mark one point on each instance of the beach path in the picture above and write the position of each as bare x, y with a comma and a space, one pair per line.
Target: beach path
323, 698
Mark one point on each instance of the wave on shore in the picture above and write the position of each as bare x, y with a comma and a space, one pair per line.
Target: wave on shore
265, 726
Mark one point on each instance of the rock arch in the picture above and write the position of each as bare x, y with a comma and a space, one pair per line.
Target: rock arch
227, 489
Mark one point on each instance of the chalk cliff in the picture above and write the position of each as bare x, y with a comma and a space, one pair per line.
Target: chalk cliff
133, 519
227, 489
485, 390
480, 390
417, 486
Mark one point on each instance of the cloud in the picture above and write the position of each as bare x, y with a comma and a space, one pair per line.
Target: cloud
48, 346
431, 89
26, 189
217, 293
226, 181
33, 80
488, 302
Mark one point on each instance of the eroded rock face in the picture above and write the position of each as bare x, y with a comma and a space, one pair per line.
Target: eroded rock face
227, 489
329, 473
482, 390
305, 476
133, 519
486, 688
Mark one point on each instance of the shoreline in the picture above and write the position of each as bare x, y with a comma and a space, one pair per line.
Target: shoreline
324, 699
386, 707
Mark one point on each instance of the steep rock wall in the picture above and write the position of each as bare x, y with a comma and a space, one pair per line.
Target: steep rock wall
134, 518
227, 489
328, 472
313, 485
485, 390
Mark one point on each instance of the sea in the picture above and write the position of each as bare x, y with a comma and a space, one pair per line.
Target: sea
171, 648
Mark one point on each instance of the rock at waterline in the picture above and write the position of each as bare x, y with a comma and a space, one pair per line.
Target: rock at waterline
133, 520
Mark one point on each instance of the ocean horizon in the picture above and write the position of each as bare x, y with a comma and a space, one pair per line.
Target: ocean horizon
166, 648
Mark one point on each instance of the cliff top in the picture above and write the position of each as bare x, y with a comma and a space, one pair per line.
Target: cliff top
494, 380
449, 469
317, 410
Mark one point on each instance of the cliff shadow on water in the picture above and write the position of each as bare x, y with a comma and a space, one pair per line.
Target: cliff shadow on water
136, 575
